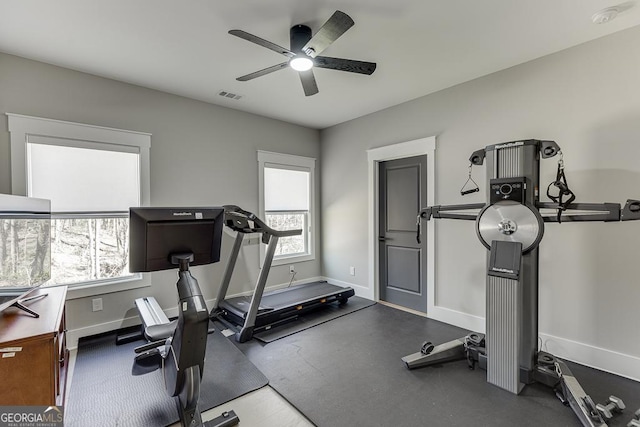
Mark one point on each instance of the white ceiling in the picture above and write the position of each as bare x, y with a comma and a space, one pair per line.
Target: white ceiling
182, 47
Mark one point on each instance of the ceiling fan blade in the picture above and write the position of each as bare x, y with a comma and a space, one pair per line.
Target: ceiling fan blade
262, 42
263, 72
308, 82
349, 65
336, 26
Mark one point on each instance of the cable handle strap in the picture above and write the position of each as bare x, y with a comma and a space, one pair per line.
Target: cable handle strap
563, 189
474, 189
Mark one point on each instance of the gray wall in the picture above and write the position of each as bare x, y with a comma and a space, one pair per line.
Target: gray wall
201, 154
588, 100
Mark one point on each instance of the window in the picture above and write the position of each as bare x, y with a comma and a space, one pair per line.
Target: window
91, 175
287, 201
25, 245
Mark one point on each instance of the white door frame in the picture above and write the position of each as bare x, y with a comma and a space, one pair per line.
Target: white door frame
417, 147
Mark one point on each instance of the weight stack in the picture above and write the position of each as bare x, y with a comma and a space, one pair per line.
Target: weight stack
504, 315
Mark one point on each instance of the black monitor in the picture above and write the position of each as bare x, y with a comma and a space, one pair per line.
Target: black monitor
158, 233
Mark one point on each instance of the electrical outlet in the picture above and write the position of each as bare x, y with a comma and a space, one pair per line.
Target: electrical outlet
352, 271
96, 304
292, 269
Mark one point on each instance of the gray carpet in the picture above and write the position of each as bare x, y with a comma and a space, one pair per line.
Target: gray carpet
104, 393
348, 372
314, 318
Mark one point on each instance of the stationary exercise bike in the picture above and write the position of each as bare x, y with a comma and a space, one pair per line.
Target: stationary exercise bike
163, 238
511, 226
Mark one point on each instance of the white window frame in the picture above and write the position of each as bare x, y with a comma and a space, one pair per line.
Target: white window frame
291, 162
21, 127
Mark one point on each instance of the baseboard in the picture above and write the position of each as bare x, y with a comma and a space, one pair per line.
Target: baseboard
624, 365
73, 335
442, 314
457, 318
361, 291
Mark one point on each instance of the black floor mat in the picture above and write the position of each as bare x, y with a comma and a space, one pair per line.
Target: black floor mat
314, 318
348, 372
104, 393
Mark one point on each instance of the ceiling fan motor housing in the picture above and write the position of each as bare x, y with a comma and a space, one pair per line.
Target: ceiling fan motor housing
299, 35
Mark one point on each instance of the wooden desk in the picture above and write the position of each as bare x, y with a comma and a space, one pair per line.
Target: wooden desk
33, 351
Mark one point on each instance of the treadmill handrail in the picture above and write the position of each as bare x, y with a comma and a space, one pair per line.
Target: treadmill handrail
238, 219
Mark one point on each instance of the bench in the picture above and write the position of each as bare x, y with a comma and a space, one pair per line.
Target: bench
155, 324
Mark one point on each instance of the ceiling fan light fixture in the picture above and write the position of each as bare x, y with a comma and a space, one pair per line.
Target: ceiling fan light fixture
301, 63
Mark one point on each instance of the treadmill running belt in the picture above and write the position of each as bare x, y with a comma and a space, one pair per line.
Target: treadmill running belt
287, 297
286, 304
300, 293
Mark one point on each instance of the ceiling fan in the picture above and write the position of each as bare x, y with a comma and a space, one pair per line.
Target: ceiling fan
304, 51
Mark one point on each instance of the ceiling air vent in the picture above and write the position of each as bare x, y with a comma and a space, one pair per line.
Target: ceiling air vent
229, 95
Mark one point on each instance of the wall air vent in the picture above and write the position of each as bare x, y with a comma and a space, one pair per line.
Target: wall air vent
229, 95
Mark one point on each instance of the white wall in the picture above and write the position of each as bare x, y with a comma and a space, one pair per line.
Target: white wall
201, 154
588, 100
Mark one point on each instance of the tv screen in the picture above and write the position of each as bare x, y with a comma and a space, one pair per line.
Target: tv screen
158, 233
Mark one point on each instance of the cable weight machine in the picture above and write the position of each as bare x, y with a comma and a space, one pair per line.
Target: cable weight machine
511, 226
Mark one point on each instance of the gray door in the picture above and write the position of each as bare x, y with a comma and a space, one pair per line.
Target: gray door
402, 260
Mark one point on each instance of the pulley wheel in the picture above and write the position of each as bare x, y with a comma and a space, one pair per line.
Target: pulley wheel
512, 222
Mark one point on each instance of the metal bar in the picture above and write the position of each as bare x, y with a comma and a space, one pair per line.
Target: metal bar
599, 207
246, 332
435, 211
228, 272
460, 207
577, 398
468, 217
582, 218
612, 212
452, 350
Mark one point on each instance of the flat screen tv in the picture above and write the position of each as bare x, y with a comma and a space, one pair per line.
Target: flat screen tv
156, 234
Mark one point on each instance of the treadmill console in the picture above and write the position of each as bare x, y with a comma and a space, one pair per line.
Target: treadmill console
507, 189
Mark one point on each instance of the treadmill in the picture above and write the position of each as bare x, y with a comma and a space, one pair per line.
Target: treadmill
261, 311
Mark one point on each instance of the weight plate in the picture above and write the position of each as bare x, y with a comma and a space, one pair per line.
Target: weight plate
512, 222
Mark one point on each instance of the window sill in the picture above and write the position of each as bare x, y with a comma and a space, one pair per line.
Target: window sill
92, 289
293, 259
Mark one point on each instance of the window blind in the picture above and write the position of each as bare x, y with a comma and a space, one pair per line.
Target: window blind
79, 177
